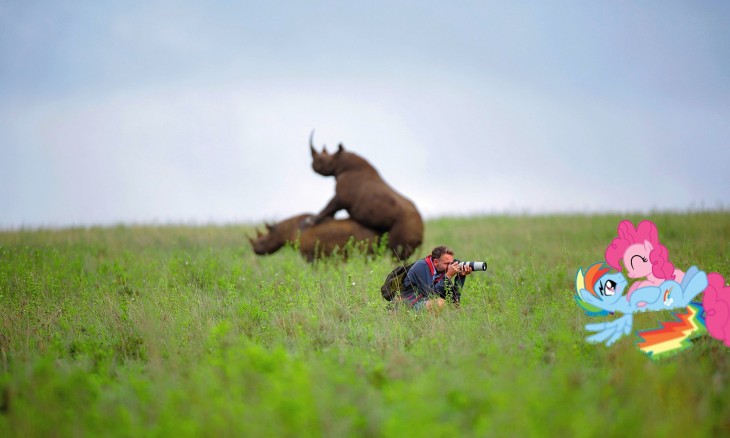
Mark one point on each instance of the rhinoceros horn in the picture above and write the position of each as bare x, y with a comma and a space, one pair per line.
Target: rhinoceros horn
311, 144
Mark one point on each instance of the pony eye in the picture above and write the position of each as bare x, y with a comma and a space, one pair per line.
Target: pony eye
610, 287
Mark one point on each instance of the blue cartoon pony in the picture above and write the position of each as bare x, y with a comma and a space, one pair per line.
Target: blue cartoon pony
600, 292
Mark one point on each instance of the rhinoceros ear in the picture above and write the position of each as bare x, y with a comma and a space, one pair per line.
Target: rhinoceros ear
340, 148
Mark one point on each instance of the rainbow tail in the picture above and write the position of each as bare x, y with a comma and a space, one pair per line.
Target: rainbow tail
674, 336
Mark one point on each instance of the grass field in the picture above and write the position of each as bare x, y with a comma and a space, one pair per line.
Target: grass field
183, 331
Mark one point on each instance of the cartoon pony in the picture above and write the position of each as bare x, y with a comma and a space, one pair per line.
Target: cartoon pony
647, 262
600, 292
645, 258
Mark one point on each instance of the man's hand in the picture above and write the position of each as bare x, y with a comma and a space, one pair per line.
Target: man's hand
452, 270
466, 271
455, 268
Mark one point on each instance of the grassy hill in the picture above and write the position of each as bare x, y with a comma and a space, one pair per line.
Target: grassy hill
183, 331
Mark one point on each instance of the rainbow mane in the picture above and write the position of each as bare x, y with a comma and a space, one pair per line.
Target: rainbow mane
673, 336
588, 282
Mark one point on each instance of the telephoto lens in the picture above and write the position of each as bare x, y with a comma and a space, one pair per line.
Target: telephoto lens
475, 266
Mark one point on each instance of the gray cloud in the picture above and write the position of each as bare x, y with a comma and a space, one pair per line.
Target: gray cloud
174, 112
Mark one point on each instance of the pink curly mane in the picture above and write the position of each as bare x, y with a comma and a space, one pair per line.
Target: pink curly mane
645, 231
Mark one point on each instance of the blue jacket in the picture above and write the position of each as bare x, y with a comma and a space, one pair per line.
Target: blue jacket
422, 281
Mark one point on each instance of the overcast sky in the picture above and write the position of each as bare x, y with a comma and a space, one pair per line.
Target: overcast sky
197, 112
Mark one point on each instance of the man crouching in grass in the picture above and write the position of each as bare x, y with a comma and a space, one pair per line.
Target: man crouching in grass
433, 280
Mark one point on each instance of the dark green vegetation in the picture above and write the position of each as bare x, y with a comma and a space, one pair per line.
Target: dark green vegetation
179, 331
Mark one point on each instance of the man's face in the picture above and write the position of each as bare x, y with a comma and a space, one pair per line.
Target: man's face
442, 263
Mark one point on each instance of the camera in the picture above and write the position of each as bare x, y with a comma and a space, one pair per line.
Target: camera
475, 266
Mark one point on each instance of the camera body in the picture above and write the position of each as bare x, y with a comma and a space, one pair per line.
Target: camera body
475, 266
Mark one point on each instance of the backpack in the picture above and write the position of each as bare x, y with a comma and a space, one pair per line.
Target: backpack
394, 281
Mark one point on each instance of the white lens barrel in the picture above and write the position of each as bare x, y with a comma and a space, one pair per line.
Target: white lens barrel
478, 266
475, 266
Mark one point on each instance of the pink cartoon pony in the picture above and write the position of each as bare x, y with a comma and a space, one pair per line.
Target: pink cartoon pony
647, 261
643, 255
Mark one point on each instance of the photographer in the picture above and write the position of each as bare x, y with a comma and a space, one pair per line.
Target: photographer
432, 280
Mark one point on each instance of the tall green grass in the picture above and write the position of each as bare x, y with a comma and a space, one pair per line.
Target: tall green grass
183, 331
